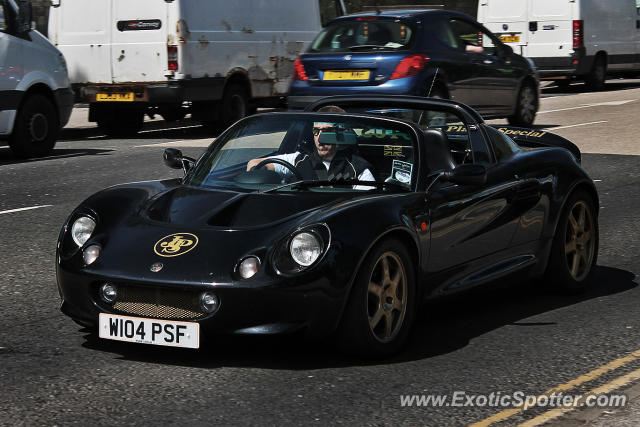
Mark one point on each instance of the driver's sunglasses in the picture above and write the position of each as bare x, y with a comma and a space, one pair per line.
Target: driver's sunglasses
318, 131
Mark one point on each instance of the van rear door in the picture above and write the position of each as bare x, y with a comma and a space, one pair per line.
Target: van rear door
508, 20
553, 24
81, 29
139, 41
112, 41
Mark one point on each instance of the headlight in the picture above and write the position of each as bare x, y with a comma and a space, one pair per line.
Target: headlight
81, 229
91, 254
248, 267
305, 248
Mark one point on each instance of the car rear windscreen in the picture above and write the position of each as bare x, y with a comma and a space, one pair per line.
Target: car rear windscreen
363, 35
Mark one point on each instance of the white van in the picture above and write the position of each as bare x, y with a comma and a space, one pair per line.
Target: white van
35, 96
566, 39
223, 58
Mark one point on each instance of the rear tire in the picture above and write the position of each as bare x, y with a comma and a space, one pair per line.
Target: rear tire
174, 114
380, 310
36, 128
120, 122
526, 106
575, 245
437, 92
596, 78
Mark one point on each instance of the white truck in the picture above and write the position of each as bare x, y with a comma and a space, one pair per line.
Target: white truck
567, 39
35, 96
218, 59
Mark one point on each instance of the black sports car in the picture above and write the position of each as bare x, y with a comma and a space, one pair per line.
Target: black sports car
263, 235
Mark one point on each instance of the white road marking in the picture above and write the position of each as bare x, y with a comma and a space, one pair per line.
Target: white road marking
61, 156
150, 130
24, 209
205, 142
163, 129
599, 104
572, 126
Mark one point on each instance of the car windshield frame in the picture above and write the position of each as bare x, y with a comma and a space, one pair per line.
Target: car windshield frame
209, 167
356, 39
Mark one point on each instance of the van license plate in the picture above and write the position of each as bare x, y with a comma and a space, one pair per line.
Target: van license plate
346, 75
118, 97
149, 331
510, 39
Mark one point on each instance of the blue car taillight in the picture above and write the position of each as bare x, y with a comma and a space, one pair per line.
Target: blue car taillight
410, 65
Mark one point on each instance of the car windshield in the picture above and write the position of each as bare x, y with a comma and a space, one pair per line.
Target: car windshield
364, 35
310, 152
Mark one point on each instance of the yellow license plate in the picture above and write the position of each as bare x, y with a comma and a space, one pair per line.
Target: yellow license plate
118, 97
347, 75
510, 39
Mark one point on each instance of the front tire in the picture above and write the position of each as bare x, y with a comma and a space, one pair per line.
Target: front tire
36, 128
526, 106
575, 246
235, 105
381, 307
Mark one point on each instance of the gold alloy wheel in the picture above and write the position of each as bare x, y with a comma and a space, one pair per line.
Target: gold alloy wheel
387, 297
579, 243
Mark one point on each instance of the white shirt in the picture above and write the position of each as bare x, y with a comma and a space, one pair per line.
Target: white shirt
365, 175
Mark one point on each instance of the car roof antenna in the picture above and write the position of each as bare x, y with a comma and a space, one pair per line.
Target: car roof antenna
433, 82
378, 11
429, 93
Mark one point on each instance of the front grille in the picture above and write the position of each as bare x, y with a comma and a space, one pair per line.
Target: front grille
158, 303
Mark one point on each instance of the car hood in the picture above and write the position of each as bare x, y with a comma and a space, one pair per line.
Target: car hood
233, 210
198, 235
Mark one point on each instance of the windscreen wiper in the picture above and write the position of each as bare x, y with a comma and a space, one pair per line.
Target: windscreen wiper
338, 182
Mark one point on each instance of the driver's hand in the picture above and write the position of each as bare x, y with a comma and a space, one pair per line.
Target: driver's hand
253, 162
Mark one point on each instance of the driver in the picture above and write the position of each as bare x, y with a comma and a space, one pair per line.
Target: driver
326, 162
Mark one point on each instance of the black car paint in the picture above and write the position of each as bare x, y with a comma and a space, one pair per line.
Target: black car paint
458, 236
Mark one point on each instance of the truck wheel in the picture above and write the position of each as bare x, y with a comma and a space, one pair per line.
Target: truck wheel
595, 79
526, 106
378, 316
235, 105
120, 122
173, 115
35, 129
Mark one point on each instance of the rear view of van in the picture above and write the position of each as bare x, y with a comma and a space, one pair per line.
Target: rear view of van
218, 58
567, 39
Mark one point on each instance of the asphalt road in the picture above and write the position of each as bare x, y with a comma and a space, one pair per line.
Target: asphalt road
517, 337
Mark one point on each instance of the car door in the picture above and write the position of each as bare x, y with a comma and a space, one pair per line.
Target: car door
491, 84
10, 65
471, 226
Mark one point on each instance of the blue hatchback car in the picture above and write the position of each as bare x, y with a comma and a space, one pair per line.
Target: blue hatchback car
436, 53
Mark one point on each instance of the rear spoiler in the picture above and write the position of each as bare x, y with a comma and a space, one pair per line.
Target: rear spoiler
538, 138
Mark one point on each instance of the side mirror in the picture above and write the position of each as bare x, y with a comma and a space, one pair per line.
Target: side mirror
25, 15
467, 175
173, 158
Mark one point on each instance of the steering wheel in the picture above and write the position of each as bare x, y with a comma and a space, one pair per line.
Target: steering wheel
281, 162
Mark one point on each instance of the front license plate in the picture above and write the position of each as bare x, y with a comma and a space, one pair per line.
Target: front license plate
118, 97
510, 39
149, 331
347, 75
